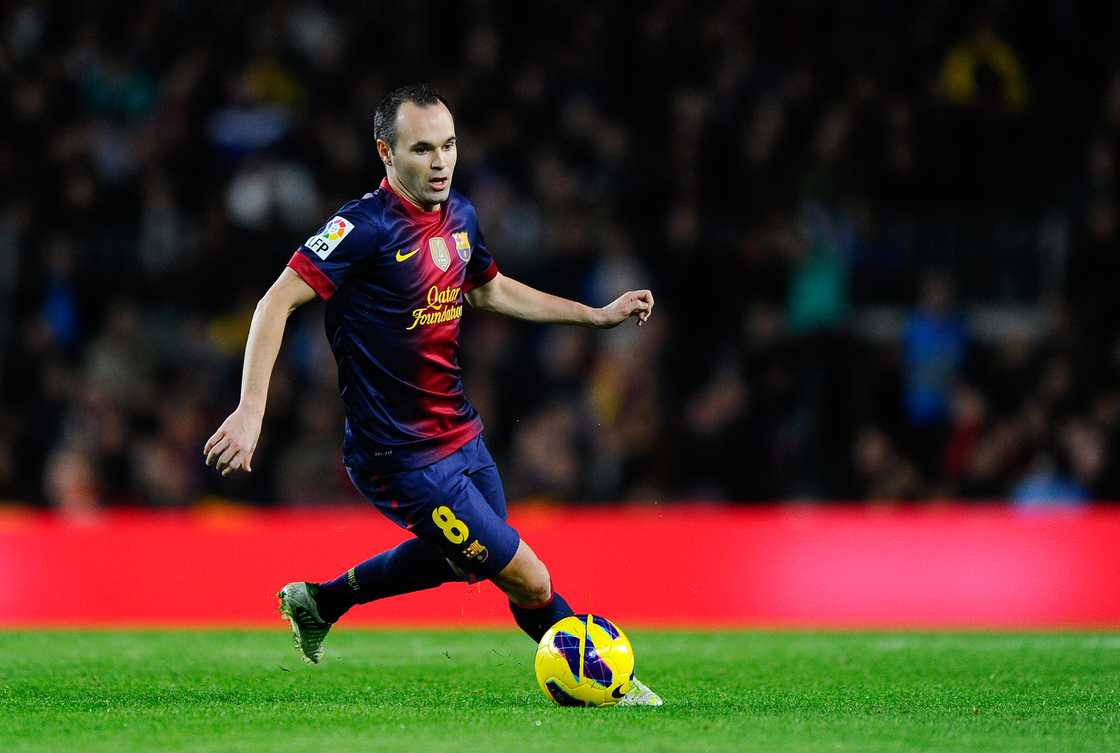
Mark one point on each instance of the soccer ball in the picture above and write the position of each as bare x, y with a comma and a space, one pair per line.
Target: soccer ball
585, 660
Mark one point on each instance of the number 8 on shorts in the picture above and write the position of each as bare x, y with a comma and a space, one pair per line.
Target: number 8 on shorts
454, 529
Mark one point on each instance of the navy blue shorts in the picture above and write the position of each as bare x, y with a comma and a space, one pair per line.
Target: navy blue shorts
457, 504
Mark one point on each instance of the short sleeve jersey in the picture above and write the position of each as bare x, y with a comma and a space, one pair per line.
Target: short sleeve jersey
394, 278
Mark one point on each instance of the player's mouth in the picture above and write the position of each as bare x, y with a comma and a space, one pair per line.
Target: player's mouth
438, 183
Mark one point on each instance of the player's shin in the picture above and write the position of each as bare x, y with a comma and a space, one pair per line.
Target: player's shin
413, 565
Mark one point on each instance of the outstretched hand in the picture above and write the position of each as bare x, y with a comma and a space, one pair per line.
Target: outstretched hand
633, 303
232, 446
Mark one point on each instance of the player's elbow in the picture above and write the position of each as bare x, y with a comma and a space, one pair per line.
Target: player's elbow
273, 305
481, 299
487, 297
288, 293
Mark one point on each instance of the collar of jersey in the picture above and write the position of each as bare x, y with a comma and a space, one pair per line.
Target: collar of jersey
414, 212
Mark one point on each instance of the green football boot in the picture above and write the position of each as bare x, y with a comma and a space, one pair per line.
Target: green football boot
297, 605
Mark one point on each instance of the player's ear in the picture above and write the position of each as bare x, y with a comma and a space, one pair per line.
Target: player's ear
385, 152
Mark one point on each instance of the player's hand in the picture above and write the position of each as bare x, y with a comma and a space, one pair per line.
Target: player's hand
232, 446
633, 303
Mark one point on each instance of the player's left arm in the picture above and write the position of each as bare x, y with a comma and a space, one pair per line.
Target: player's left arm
505, 295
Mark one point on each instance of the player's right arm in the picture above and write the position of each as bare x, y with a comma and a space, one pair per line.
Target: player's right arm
231, 447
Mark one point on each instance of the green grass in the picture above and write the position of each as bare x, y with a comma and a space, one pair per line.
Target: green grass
232, 691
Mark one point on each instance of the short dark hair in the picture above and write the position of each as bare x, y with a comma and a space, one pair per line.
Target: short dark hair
385, 116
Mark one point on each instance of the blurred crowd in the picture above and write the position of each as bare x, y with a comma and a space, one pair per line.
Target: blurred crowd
774, 171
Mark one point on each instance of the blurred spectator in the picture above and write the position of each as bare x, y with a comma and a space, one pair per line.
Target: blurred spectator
882, 473
71, 483
969, 421
313, 470
61, 309
934, 347
1046, 483
983, 70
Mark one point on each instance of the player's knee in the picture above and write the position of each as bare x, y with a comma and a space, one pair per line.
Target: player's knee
526, 579
538, 586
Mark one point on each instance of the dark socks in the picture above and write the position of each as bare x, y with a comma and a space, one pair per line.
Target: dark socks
414, 565
538, 618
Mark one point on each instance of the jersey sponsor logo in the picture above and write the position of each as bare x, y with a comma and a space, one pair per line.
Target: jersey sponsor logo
440, 255
443, 305
329, 237
409, 255
462, 245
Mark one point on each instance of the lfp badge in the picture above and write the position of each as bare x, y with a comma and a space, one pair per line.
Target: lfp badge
329, 237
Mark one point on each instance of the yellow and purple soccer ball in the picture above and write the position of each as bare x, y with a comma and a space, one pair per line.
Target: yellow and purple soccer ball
585, 660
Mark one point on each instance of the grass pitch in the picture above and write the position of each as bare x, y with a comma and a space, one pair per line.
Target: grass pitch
432, 691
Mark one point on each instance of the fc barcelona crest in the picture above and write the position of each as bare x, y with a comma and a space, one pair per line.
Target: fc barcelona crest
440, 255
462, 245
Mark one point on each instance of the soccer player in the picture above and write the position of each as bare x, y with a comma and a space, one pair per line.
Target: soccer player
394, 268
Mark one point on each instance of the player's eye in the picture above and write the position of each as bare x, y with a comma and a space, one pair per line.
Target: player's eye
420, 149
448, 147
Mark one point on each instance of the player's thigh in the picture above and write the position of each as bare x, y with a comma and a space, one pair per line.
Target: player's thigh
489, 483
468, 530
483, 473
449, 511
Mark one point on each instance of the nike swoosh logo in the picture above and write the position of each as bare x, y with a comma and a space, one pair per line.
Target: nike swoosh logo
616, 692
409, 255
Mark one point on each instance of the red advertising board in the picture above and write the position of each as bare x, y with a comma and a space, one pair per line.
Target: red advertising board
681, 565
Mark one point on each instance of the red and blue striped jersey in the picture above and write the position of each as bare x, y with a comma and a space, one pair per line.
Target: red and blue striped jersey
394, 278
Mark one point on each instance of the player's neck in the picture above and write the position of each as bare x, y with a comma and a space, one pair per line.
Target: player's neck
396, 187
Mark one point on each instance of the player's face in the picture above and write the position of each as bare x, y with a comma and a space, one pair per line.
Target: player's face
424, 157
